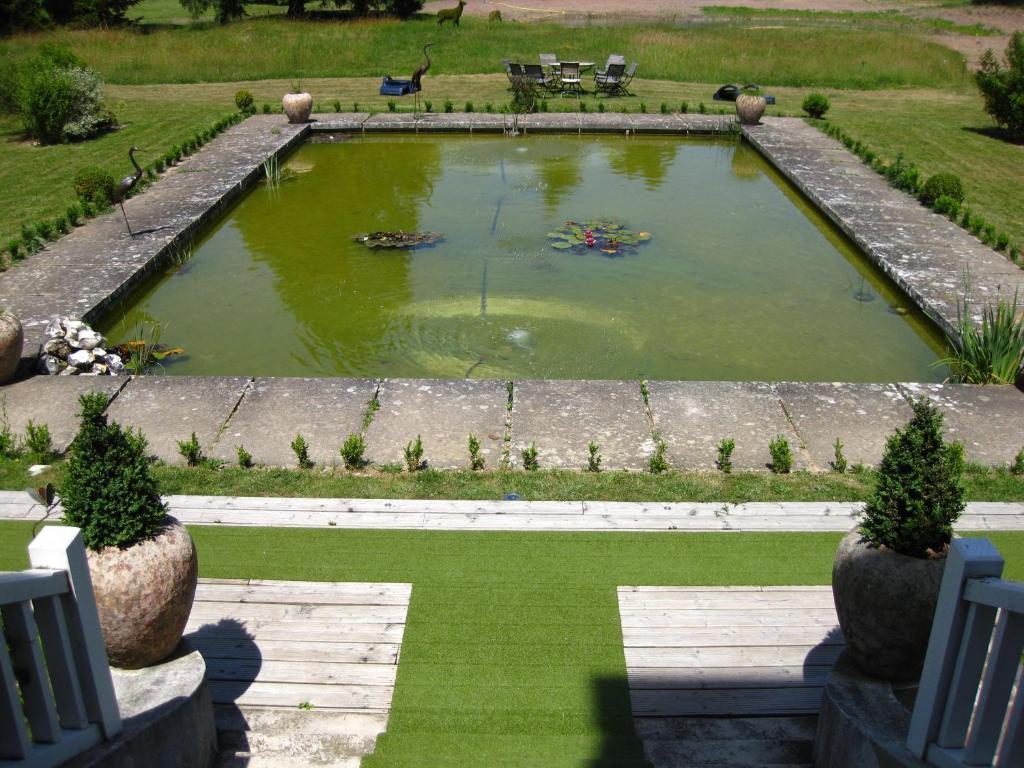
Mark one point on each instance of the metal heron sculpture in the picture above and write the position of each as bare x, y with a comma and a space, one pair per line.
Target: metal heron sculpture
126, 185
417, 77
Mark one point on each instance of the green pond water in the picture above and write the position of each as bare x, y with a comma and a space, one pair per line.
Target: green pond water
740, 279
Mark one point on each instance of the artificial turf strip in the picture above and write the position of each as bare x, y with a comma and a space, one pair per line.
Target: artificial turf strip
512, 653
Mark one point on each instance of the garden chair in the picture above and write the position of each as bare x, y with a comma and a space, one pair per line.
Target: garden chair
613, 59
627, 78
514, 72
569, 79
609, 81
549, 61
536, 75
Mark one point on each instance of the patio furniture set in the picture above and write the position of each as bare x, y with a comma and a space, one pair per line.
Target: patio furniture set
551, 76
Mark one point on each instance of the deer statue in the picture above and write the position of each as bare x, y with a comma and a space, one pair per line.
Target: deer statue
451, 14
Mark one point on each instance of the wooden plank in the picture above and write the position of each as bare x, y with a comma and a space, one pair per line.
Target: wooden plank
28, 585
315, 671
730, 601
722, 637
284, 650
714, 588
320, 631
398, 506
60, 662
352, 614
737, 702
14, 738
702, 678
27, 657
346, 697
299, 520
694, 619
318, 586
368, 595
740, 656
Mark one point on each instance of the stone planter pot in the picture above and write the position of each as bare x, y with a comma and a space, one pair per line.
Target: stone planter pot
297, 106
750, 108
12, 338
144, 595
886, 603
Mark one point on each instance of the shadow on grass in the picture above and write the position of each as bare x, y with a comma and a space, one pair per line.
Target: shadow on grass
994, 132
620, 746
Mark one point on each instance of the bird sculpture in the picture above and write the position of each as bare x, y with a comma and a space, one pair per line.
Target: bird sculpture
417, 77
126, 185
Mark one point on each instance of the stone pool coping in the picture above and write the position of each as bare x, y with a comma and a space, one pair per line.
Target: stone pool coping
86, 273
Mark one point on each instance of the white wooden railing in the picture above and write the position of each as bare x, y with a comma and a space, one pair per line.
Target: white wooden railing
56, 693
969, 704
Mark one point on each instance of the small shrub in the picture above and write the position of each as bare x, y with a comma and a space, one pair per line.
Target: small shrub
664, 108
583, 106
60, 224
14, 248
73, 214
44, 230
158, 165
701, 109
919, 494
301, 450
1003, 86
1002, 242
60, 103
530, 462
993, 353
816, 105
782, 456
352, 451
245, 102
191, 451
449, 107
658, 463
1017, 467
428, 106
943, 184
392, 105
89, 209
488, 107
1014, 253
336, 105
476, 461
947, 206
107, 489
544, 106
600, 107
593, 457
468, 107
94, 185
684, 107
988, 234
244, 458
839, 463
413, 453
725, 449
10, 446
643, 108
266, 108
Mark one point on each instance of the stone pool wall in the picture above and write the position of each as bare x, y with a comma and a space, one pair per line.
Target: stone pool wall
86, 273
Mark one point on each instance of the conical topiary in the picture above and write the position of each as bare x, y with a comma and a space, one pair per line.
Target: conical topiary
107, 489
919, 494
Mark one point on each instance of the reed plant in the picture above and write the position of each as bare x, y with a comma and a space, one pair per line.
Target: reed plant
992, 353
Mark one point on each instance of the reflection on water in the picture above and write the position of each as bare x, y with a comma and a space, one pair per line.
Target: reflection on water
740, 280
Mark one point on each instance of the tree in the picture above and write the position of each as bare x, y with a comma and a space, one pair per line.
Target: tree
21, 16
1003, 87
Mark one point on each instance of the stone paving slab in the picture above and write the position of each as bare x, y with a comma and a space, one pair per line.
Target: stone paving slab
862, 416
274, 410
562, 417
53, 401
693, 416
928, 267
170, 408
988, 420
444, 412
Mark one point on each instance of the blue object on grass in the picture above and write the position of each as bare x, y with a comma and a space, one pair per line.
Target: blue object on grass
391, 87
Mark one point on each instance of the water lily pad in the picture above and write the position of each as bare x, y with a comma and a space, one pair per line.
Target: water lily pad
610, 238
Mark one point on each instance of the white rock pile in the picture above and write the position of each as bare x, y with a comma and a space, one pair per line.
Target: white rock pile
75, 349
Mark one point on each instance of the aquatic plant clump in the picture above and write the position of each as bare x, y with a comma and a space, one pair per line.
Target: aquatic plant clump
398, 239
609, 238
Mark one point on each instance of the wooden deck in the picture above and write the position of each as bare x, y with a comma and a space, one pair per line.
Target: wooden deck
728, 651
450, 515
299, 670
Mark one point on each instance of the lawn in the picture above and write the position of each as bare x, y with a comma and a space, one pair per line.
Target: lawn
512, 653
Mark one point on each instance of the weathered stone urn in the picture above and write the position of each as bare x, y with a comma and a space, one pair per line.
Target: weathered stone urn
12, 338
886, 603
297, 106
144, 595
749, 108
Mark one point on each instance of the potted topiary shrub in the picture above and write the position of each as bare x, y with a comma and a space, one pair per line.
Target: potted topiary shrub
142, 562
887, 572
12, 339
750, 105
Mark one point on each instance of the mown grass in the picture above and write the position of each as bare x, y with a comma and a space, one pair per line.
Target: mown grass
512, 653
274, 48
891, 18
551, 485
